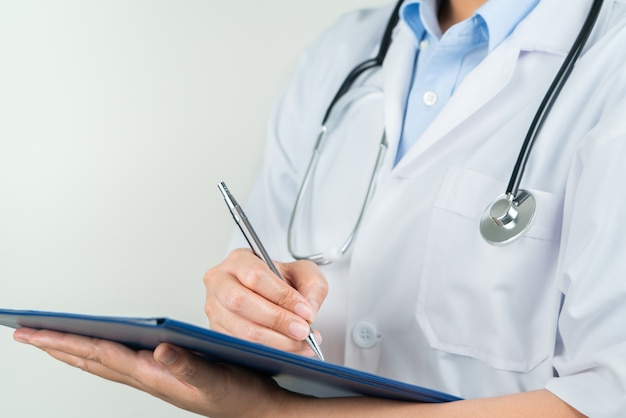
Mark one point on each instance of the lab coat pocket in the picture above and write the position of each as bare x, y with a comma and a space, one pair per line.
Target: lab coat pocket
490, 303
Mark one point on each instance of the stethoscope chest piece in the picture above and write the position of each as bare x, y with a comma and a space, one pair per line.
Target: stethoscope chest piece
508, 217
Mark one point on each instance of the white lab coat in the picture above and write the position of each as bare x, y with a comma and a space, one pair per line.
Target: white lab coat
421, 297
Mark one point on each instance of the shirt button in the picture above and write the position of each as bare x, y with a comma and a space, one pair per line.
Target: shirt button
365, 335
430, 98
424, 44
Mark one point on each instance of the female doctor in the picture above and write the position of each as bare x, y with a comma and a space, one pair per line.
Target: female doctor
525, 322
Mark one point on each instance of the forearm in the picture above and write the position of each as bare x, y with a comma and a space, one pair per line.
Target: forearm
541, 403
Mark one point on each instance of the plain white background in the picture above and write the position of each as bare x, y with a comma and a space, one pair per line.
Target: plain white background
117, 119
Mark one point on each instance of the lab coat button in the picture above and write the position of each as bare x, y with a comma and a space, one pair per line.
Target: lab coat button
365, 335
430, 98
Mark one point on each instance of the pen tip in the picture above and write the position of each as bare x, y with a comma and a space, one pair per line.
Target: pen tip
315, 346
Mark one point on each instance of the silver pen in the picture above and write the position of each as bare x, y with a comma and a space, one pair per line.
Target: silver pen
255, 243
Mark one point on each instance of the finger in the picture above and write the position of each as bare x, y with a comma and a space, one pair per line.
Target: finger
170, 373
307, 279
196, 375
245, 303
242, 328
103, 358
186, 367
243, 286
254, 274
217, 387
94, 367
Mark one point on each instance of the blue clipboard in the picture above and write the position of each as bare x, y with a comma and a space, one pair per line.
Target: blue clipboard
296, 373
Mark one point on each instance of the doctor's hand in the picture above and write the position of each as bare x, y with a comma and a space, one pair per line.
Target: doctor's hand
246, 300
170, 373
215, 390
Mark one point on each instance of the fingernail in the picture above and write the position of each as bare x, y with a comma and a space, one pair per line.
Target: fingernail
167, 356
315, 306
303, 310
298, 330
22, 335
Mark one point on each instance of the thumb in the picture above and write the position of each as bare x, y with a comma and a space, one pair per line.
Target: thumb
182, 364
200, 385
213, 389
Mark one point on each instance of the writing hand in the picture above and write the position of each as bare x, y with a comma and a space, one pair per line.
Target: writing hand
246, 300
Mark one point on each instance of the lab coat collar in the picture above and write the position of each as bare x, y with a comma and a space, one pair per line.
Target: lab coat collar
502, 16
397, 74
542, 32
537, 33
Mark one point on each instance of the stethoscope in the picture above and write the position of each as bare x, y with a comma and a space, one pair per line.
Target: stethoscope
503, 221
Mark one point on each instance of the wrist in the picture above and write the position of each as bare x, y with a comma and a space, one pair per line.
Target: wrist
288, 404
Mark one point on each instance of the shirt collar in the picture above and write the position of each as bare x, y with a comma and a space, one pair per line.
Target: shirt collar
499, 17
502, 16
420, 16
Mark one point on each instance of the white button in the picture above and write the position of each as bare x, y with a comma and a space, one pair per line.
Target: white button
365, 335
424, 44
430, 98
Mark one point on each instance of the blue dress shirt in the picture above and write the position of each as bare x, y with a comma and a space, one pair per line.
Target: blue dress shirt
443, 60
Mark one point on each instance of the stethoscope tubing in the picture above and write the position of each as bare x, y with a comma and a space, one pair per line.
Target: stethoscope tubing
550, 98
521, 203
542, 112
368, 64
